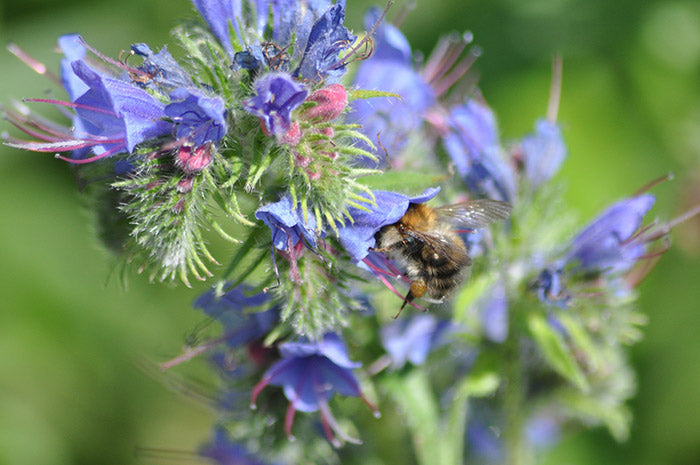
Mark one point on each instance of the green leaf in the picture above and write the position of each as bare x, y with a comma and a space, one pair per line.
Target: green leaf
556, 351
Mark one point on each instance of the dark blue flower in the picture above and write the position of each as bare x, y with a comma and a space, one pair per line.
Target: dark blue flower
161, 67
287, 224
473, 146
310, 374
327, 38
390, 69
543, 152
223, 451
277, 95
357, 237
199, 118
412, 339
232, 309
609, 243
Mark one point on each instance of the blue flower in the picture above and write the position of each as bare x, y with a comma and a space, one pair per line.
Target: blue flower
240, 327
390, 69
226, 452
199, 118
287, 224
357, 237
310, 374
117, 111
609, 243
543, 152
220, 16
326, 40
277, 95
494, 313
412, 339
74, 50
161, 67
550, 288
473, 146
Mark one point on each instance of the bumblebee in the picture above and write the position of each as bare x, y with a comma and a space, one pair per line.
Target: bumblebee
426, 243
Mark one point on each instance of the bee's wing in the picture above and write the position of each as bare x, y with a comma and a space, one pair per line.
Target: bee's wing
443, 246
475, 214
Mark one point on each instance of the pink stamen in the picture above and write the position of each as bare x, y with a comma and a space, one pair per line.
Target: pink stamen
465, 231
449, 59
393, 289
36, 134
289, 419
328, 431
33, 63
446, 82
555, 90
112, 61
71, 105
187, 355
430, 68
257, 389
374, 267
82, 161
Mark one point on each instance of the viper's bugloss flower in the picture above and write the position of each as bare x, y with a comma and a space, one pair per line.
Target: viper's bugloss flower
199, 117
221, 16
473, 146
287, 224
412, 339
327, 38
277, 95
72, 47
390, 69
224, 451
310, 374
357, 237
494, 313
609, 243
550, 288
232, 309
543, 152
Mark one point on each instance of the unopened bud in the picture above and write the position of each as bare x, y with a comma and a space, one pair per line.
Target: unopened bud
330, 103
194, 159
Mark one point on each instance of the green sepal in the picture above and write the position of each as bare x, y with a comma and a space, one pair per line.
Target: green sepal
365, 94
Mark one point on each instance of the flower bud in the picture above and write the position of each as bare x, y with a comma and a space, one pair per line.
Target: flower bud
330, 103
194, 159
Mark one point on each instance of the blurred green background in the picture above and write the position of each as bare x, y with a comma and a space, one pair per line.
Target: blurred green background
72, 338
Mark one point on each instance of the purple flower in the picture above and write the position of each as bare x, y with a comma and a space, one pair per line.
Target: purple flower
277, 95
310, 373
610, 244
472, 144
357, 237
494, 314
200, 119
413, 339
326, 40
287, 224
241, 327
162, 68
223, 451
390, 69
543, 152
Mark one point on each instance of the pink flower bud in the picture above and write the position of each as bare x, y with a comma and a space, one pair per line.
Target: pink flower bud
292, 136
194, 159
330, 103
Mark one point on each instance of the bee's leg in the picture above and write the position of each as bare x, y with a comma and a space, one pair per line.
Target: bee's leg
418, 288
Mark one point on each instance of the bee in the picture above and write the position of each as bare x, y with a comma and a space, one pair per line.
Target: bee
426, 243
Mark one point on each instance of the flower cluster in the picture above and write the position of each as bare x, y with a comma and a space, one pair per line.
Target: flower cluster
321, 156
